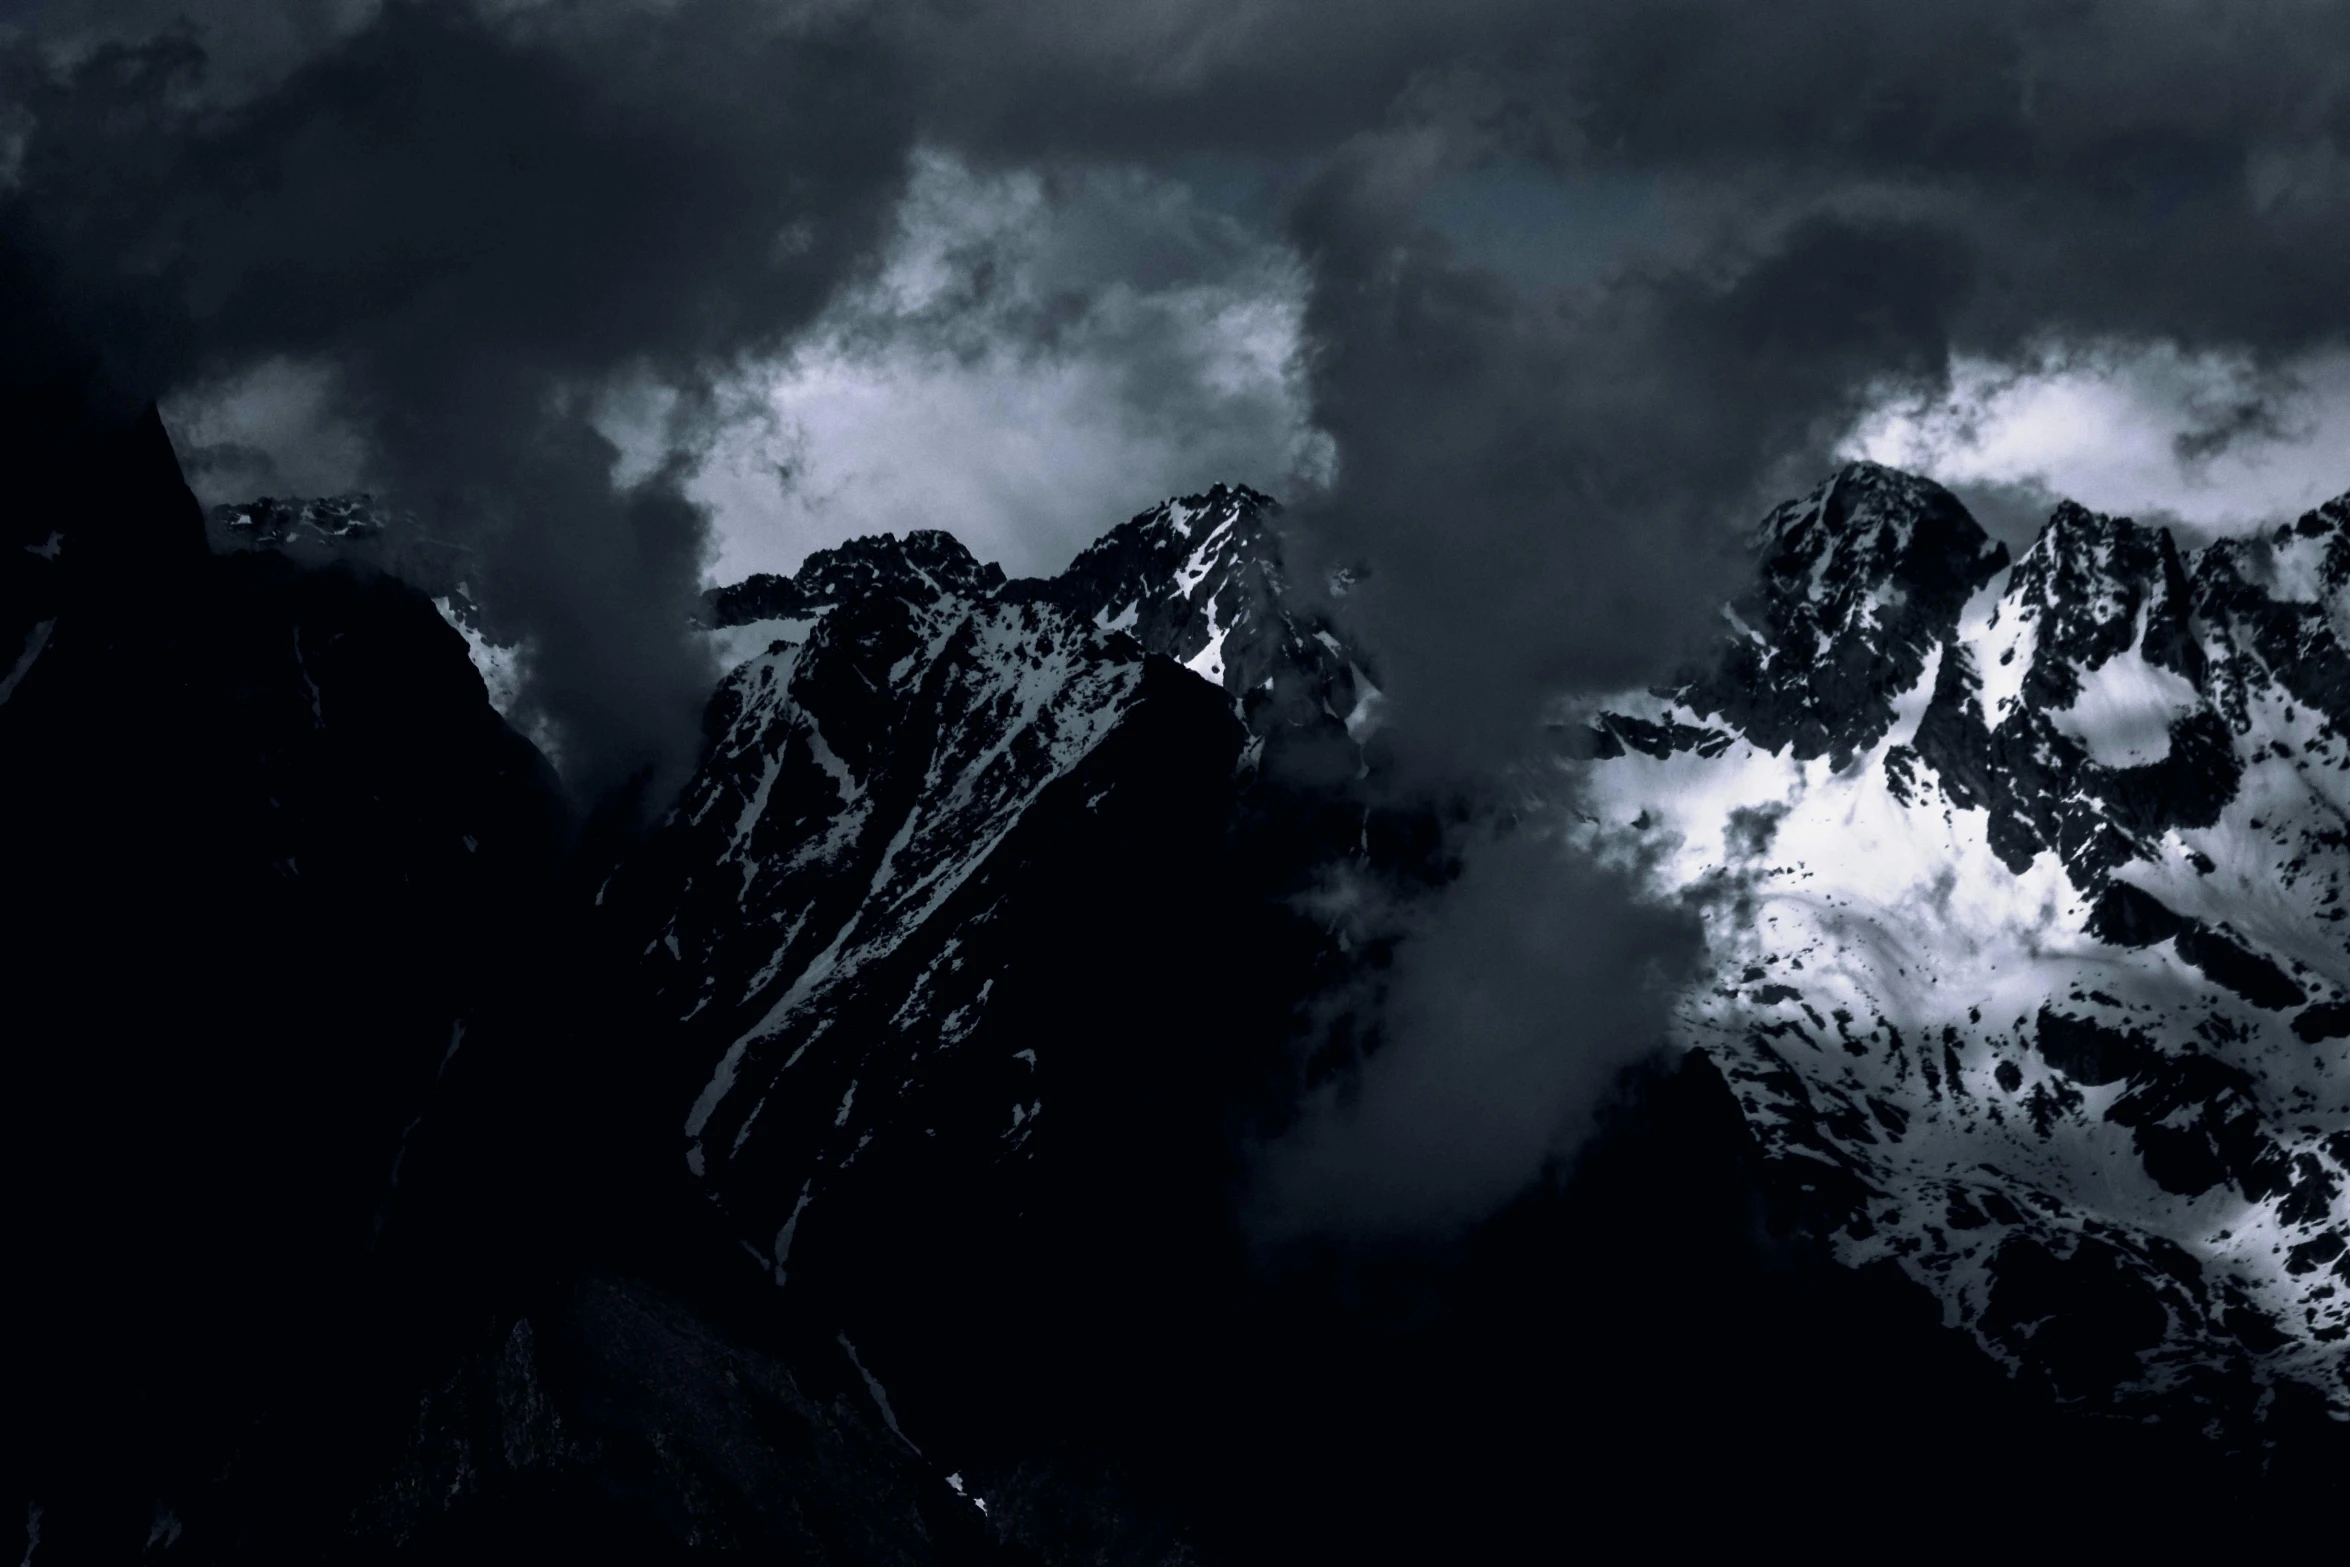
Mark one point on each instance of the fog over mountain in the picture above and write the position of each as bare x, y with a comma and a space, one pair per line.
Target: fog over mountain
1710, 732
1623, 264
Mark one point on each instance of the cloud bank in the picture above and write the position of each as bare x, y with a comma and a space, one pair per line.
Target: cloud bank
2212, 443
1038, 355
1530, 308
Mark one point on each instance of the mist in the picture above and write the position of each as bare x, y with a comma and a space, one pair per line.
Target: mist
1549, 305
1519, 995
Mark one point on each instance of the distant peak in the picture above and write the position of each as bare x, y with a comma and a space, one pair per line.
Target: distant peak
2333, 517
1220, 495
1220, 503
2073, 521
271, 520
2079, 549
1857, 497
925, 564
1868, 525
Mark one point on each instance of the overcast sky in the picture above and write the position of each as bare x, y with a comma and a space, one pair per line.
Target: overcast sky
1532, 307
1535, 304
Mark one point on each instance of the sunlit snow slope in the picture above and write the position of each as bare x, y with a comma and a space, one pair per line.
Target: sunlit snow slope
2023, 883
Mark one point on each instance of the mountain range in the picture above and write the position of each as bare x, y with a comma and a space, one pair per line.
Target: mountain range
2022, 883
854, 1161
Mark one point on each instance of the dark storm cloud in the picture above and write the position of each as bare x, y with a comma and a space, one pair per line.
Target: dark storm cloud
478, 224
1590, 283
1594, 284
1589, 286
1542, 486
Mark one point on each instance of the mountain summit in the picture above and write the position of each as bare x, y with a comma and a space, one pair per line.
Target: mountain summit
878, 778
2023, 882
855, 1165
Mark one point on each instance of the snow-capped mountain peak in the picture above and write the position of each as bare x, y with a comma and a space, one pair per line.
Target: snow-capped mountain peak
1857, 583
1200, 579
925, 564
906, 722
2023, 883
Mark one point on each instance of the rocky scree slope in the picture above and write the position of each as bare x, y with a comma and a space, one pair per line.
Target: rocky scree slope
2024, 885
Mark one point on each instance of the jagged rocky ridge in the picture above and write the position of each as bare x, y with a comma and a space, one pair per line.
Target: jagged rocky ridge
972, 959
819, 902
966, 962
1918, 801
2023, 881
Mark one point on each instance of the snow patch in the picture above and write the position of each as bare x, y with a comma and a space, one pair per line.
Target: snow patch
502, 667
783, 1237
302, 667
2001, 638
165, 1530
879, 1395
1208, 662
1203, 556
36, 640
2123, 715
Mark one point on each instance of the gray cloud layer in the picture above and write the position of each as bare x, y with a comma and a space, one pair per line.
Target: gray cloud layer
1057, 345
1585, 280
1586, 286
475, 224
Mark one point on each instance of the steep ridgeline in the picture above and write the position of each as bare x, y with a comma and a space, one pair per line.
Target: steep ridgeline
1200, 581
2024, 884
747, 617
356, 529
1180, 579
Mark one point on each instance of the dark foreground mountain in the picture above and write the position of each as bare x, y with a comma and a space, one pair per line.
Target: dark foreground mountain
271, 862
854, 1167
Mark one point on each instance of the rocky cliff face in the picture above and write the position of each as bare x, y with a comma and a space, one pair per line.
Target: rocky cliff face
317, 1105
